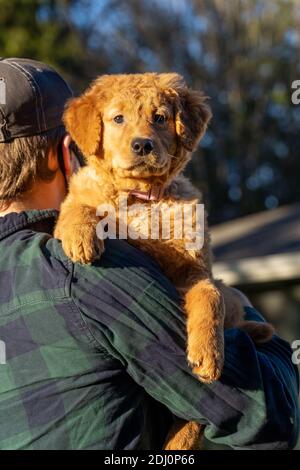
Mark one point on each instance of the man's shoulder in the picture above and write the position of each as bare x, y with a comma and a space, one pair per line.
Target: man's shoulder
124, 277
26, 240
123, 271
126, 266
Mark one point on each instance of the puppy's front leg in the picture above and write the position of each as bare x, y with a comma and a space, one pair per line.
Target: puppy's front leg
205, 322
76, 228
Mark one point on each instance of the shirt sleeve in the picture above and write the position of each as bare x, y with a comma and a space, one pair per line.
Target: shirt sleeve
134, 313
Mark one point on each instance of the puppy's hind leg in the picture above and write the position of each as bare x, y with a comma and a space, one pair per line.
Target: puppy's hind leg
185, 435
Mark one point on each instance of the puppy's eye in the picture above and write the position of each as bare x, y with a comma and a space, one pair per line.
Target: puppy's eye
119, 119
159, 118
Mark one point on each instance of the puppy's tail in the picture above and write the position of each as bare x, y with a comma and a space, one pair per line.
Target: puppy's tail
260, 332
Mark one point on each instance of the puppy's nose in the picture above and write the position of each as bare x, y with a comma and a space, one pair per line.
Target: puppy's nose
142, 146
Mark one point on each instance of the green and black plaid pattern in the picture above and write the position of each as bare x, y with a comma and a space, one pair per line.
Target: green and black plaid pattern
95, 355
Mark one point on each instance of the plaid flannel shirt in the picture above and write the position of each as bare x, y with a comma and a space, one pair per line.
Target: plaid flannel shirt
95, 355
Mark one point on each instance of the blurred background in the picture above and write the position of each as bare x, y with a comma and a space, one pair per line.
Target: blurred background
244, 54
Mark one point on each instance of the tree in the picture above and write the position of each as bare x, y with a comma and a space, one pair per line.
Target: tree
243, 53
44, 30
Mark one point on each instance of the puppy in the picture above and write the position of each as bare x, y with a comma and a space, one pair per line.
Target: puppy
137, 133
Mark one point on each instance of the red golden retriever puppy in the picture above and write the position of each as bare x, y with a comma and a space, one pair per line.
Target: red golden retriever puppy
137, 133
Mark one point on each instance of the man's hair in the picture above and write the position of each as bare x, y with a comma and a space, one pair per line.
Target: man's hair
24, 160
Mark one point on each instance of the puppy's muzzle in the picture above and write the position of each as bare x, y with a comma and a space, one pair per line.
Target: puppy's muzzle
142, 147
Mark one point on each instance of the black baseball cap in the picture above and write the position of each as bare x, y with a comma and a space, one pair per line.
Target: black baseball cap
32, 98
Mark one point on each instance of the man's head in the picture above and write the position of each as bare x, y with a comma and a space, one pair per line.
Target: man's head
33, 141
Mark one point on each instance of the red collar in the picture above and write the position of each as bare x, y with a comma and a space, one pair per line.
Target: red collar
155, 193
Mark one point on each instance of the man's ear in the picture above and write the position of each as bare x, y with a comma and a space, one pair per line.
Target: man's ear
192, 114
66, 155
83, 122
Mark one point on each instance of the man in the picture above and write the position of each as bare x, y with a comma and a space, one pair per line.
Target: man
95, 355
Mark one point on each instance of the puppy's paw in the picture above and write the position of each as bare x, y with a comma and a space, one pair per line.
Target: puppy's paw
206, 356
81, 244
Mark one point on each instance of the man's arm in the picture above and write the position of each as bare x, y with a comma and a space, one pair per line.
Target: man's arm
133, 311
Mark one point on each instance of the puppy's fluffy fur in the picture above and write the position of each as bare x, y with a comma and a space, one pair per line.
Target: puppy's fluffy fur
161, 108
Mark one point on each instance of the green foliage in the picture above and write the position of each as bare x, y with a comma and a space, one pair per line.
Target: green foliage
40, 29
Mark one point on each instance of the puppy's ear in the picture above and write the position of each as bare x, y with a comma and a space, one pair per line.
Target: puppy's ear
192, 117
83, 122
192, 114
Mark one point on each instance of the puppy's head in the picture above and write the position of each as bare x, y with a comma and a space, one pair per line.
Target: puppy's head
143, 126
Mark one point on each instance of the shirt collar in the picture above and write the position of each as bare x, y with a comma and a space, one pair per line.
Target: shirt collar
14, 221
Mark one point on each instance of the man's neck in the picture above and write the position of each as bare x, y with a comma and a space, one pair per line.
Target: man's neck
43, 197
19, 206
